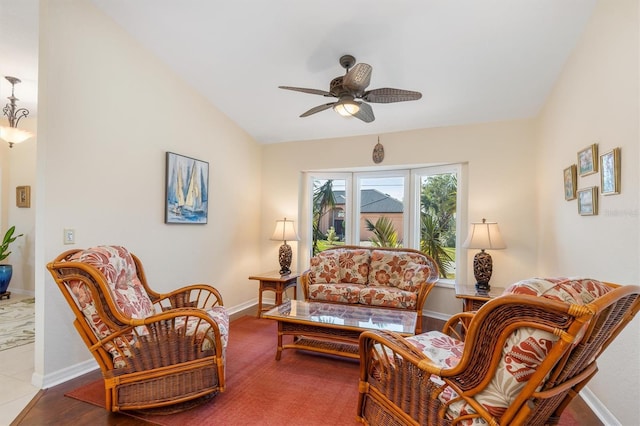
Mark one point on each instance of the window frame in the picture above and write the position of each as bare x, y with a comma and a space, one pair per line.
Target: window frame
411, 212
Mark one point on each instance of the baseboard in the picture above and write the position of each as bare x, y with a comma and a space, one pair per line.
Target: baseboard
241, 307
21, 292
436, 315
64, 374
598, 408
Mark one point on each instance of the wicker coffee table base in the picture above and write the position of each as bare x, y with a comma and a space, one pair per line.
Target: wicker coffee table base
323, 338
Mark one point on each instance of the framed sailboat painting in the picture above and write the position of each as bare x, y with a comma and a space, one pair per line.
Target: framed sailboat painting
187, 190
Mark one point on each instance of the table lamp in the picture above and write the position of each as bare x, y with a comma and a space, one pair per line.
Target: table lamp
284, 232
484, 236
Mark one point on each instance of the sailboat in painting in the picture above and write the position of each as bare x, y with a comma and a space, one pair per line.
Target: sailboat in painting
186, 190
178, 193
193, 201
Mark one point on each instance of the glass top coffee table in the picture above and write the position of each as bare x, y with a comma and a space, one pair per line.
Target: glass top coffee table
333, 328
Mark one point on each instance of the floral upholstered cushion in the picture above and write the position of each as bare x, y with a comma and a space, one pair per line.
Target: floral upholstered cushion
414, 276
569, 290
354, 265
387, 267
201, 329
389, 297
324, 268
339, 265
117, 266
336, 292
440, 348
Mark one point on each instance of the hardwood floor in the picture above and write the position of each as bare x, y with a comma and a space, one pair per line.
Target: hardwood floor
51, 407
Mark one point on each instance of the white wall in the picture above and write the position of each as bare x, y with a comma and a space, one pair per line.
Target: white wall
596, 101
501, 185
108, 112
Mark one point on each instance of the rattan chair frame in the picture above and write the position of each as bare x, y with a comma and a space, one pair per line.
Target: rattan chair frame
395, 386
423, 292
164, 365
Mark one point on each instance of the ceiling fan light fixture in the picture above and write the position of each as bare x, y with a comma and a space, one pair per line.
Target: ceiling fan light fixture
346, 107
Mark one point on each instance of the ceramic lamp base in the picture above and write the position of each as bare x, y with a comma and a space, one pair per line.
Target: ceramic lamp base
284, 256
482, 269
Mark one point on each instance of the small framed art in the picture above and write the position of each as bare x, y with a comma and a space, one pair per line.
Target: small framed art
588, 160
610, 172
570, 183
588, 201
23, 196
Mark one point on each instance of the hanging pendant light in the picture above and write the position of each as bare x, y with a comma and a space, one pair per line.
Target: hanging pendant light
11, 133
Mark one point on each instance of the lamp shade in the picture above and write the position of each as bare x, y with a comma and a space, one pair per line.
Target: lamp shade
285, 231
14, 135
485, 236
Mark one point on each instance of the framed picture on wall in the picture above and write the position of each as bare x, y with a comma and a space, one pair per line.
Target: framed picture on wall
23, 196
186, 190
570, 182
588, 160
610, 172
588, 201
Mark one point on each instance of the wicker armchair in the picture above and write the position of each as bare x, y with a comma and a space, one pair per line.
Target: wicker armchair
154, 349
519, 359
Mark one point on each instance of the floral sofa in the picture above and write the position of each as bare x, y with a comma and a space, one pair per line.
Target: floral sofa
371, 276
522, 355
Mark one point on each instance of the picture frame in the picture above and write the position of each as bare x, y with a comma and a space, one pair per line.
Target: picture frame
570, 182
23, 196
588, 160
588, 201
186, 190
610, 172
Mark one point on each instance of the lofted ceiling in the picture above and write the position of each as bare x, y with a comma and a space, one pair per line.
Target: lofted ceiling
472, 60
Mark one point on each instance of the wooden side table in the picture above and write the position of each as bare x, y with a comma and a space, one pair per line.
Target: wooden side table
273, 281
473, 299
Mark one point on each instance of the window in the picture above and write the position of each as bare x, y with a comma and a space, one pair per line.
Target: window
417, 208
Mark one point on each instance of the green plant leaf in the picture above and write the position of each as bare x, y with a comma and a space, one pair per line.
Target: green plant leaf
6, 242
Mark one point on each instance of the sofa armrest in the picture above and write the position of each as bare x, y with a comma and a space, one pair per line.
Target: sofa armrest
304, 283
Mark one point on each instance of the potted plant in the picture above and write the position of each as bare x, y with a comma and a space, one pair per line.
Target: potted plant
6, 270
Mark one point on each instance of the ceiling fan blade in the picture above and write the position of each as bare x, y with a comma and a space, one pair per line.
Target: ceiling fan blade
358, 78
365, 113
318, 109
387, 95
305, 90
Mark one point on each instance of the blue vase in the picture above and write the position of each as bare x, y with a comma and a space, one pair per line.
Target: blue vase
5, 277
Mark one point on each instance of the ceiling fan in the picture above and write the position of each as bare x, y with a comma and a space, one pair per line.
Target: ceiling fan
351, 86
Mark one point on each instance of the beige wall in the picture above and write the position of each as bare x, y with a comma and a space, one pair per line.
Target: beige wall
596, 101
108, 112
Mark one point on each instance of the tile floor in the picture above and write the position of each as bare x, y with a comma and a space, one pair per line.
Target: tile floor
16, 390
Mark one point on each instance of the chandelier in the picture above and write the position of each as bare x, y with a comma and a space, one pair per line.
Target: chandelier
11, 133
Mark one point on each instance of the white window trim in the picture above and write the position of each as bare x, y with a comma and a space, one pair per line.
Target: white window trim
412, 204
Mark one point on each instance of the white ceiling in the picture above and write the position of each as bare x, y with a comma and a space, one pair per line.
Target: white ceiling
473, 60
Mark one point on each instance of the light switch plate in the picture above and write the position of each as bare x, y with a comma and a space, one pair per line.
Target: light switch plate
69, 236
